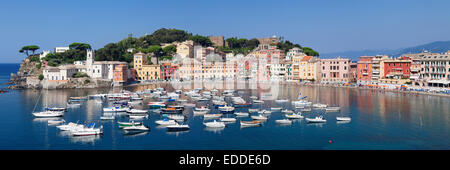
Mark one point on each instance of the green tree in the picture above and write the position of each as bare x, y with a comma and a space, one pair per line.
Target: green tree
41, 77
28, 48
169, 50
164, 35
309, 51
202, 40
80, 46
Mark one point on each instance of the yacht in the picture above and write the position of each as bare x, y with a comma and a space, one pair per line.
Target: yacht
318, 119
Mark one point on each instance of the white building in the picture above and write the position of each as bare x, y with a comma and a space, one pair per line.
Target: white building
100, 69
61, 49
43, 54
61, 73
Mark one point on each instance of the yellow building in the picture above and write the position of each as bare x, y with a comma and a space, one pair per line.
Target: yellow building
186, 49
309, 68
144, 71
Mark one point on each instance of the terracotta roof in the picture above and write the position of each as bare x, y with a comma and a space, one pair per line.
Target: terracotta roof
306, 58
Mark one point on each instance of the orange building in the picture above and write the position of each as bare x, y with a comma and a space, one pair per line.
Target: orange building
120, 74
364, 70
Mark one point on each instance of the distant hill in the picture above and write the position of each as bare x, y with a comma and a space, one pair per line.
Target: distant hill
435, 47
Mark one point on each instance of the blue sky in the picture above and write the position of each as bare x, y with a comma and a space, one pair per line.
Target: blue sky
325, 25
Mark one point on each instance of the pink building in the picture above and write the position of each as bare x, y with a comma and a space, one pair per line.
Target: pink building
336, 70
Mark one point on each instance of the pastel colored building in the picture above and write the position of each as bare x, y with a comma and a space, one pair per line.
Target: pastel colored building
309, 68
395, 71
435, 70
336, 70
120, 74
168, 71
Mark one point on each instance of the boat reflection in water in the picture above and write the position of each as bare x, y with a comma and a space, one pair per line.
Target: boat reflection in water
315, 124
176, 133
343, 122
45, 119
214, 129
84, 139
135, 134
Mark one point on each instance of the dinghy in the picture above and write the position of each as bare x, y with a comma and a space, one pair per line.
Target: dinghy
251, 123
226, 119
241, 114
212, 115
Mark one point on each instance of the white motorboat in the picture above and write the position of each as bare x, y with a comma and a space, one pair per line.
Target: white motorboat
226, 108
287, 111
214, 124
228, 119
138, 116
283, 121
253, 110
202, 108
253, 97
48, 113
241, 114
137, 111
125, 124
318, 119
212, 115
343, 118
318, 105
107, 117
200, 112
264, 112
177, 127
87, 131
136, 128
259, 117
275, 109
332, 109
251, 123
68, 126
166, 122
55, 122
114, 109
294, 116
176, 117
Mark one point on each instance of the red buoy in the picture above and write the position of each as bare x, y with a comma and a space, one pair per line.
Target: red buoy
329, 141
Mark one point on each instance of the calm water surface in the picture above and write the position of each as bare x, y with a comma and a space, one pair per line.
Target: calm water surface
379, 121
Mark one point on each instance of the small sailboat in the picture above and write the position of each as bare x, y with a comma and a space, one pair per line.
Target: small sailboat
46, 113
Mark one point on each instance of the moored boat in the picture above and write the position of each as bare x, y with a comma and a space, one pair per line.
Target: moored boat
332, 109
241, 114
251, 123
259, 117
343, 118
294, 116
177, 127
318, 119
283, 121
228, 119
212, 115
48, 114
214, 124
166, 122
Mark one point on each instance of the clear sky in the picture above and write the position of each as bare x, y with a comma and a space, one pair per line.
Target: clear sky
325, 25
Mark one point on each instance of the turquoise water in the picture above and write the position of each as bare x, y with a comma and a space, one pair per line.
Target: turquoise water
379, 121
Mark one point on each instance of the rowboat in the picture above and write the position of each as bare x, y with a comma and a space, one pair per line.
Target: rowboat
241, 114
283, 121
343, 118
200, 112
259, 117
132, 123
138, 116
318, 119
214, 124
226, 119
212, 115
251, 123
